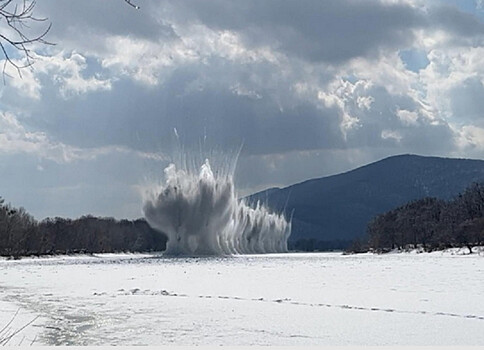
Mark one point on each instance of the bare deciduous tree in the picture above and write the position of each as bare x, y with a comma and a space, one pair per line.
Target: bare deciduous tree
16, 19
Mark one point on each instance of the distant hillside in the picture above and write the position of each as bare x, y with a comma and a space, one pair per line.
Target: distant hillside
339, 207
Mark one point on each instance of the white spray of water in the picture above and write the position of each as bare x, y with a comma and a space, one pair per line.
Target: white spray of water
201, 215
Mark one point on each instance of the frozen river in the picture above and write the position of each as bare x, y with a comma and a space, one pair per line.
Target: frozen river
280, 299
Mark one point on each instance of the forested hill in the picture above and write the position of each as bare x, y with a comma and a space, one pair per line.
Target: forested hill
339, 207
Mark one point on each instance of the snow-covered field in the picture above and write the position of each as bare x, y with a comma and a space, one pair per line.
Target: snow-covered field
279, 299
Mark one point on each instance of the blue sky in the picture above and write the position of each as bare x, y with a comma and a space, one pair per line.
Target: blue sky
309, 88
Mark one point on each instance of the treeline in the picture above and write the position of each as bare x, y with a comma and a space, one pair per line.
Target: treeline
430, 223
22, 235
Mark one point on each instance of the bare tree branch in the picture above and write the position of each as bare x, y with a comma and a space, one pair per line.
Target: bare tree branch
132, 5
6, 333
16, 16
15, 20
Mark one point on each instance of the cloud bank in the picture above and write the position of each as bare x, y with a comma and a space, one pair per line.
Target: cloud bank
309, 89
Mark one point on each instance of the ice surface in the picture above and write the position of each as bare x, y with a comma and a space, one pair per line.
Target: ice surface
274, 299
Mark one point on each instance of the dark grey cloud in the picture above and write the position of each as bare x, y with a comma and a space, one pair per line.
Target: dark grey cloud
85, 23
333, 31
143, 118
330, 31
197, 99
219, 90
467, 100
455, 21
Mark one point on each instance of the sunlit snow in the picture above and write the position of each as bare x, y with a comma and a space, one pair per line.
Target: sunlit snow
273, 299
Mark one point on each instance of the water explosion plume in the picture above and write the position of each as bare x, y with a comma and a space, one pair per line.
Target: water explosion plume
199, 212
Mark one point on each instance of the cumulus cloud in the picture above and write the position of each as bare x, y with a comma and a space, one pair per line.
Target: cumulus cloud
78, 23
309, 88
330, 31
16, 139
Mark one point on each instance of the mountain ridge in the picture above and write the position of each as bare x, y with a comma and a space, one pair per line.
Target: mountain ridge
338, 207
